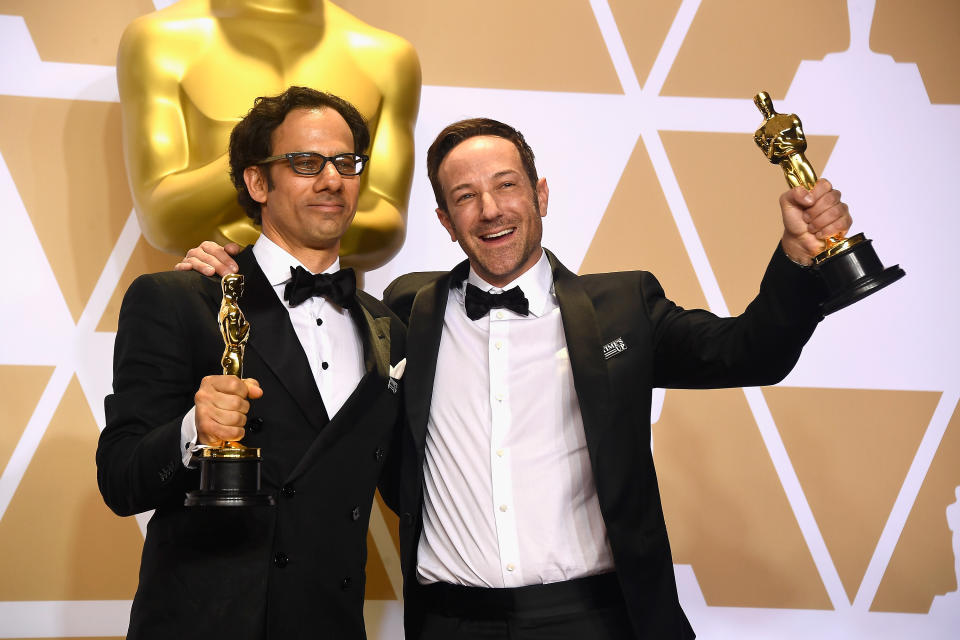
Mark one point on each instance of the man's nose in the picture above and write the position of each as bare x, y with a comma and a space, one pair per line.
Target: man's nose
329, 179
489, 206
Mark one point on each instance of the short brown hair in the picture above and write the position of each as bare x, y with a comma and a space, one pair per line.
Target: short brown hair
457, 132
250, 140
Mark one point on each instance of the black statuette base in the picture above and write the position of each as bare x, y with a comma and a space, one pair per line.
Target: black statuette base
853, 275
229, 482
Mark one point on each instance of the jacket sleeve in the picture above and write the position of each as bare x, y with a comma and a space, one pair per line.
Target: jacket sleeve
697, 349
139, 462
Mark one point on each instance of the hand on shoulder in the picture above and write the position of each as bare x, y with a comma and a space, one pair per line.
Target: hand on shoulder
210, 258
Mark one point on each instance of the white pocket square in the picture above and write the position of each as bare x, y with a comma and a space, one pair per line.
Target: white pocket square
396, 372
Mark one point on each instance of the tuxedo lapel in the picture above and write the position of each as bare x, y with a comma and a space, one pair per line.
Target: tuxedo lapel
375, 333
423, 344
375, 336
276, 343
582, 333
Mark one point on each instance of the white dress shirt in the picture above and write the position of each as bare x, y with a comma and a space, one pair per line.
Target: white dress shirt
327, 333
509, 496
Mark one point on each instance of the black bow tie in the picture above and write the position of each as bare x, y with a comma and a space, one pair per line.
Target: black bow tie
478, 302
339, 288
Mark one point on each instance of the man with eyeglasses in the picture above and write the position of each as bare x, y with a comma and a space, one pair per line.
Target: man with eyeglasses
529, 506
320, 399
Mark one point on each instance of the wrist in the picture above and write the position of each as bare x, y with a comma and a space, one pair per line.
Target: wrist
795, 254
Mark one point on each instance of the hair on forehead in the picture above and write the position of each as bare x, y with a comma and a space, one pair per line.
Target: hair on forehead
454, 134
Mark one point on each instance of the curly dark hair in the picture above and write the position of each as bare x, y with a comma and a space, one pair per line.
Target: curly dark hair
462, 130
250, 140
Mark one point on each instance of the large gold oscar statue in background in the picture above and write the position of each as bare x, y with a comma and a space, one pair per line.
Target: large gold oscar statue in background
849, 267
189, 72
230, 473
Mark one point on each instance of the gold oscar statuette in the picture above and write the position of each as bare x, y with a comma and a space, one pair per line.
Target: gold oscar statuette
230, 474
189, 72
849, 267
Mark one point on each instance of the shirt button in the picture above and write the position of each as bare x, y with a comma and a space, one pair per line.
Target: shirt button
324, 365
499, 397
498, 345
510, 567
499, 453
499, 315
503, 507
280, 559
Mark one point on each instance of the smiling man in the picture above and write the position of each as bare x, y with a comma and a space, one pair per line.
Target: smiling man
488, 207
530, 506
319, 401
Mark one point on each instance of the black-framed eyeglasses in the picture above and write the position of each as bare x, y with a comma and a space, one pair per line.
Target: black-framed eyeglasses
308, 163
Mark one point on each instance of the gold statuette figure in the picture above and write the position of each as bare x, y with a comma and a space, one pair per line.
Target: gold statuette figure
849, 267
233, 326
189, 72
230, 474
782, 140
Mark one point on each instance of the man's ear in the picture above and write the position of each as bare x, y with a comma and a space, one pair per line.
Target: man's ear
543, 196
444, 219
256, 183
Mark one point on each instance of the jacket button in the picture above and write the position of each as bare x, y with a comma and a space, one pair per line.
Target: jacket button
253, 426
407, 519
355, 514
288, 491
345, 583
280, 559
378, 454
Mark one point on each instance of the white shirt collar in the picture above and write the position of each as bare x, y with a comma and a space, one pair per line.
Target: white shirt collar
276, 261
536, 284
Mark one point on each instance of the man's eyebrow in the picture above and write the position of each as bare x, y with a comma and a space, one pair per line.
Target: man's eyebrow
497, 175
463, 185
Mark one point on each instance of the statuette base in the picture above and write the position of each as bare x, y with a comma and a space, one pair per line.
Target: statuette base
229, 477
853, 273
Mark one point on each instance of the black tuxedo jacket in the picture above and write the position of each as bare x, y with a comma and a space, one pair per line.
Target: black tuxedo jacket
652, 343
294, 570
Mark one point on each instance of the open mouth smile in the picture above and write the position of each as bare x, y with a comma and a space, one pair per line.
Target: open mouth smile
492, 237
